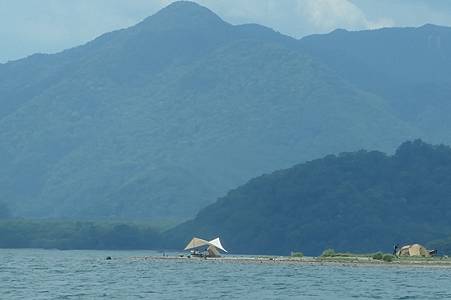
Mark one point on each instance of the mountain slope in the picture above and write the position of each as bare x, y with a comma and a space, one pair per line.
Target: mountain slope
360, 201
409, 67
159, 119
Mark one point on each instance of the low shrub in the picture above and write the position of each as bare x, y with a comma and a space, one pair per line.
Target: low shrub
328, 253
297, 254
388, 258
378, 256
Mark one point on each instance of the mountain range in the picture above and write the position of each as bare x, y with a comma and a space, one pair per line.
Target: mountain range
162, 118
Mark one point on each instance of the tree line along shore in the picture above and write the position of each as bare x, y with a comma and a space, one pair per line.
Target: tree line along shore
109, 235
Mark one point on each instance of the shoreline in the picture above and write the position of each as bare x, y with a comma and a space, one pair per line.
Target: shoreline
320, 261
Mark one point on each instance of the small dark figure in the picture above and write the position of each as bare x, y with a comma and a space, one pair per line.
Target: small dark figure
395, 249
108, 258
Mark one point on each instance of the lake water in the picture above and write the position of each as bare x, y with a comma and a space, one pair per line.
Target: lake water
53, 274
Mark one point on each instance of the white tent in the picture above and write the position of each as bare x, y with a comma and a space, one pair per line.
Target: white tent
213, 251
213, 246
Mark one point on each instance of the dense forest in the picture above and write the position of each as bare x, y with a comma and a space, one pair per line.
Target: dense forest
78, 235
160, 119
361, 201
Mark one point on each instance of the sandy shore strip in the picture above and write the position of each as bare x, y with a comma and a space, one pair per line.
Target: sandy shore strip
334, 261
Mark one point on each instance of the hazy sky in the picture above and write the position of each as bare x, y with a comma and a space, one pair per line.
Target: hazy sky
30, 26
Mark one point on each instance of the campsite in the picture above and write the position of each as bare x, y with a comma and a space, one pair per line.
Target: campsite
413, 255
210, 248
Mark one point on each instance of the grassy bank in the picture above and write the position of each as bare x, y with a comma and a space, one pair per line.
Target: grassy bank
330, 255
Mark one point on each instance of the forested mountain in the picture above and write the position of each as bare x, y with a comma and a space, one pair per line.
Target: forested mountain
360, 201
409, 67
159, 119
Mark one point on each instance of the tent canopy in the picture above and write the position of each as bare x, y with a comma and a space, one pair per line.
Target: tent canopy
413, 250
197, 243
217, 243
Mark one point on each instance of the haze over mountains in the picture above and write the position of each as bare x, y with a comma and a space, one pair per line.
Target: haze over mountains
408, 67
160, 119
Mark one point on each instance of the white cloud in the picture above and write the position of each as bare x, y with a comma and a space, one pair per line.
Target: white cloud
297, 17
326, 15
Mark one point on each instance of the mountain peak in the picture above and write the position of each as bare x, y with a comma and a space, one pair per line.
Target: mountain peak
433, 28
181, 14
177, 5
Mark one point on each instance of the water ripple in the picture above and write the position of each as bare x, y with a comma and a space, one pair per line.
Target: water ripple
52, 274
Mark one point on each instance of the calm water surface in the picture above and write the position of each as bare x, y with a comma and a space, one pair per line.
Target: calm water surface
53, 274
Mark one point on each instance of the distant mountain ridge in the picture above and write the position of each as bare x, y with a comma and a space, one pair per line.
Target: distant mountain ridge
361, 201
409, 67
160, 119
